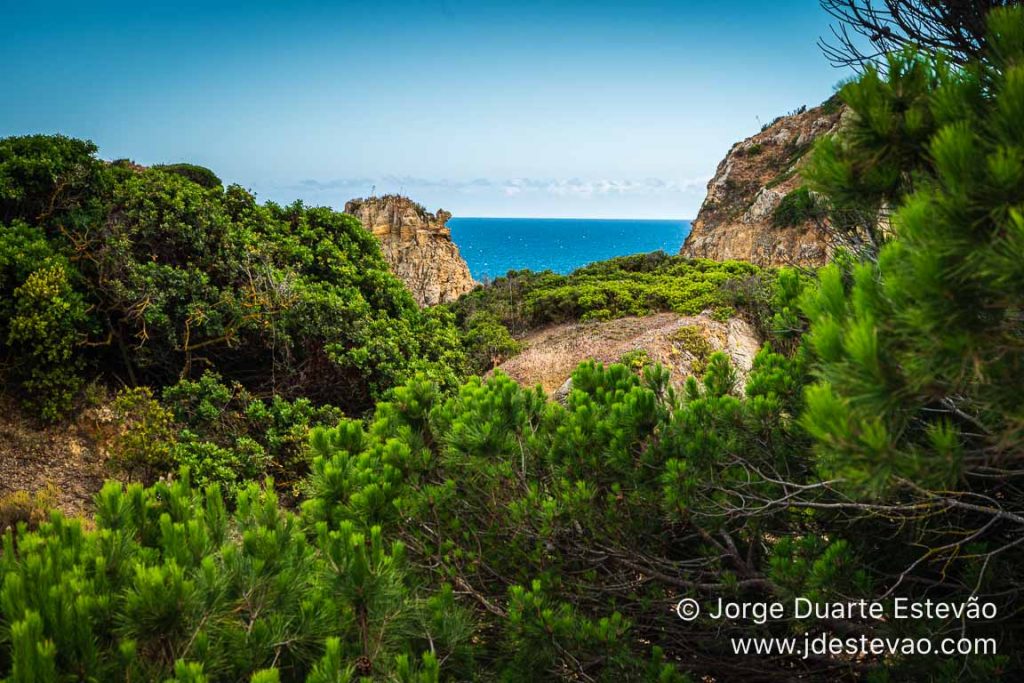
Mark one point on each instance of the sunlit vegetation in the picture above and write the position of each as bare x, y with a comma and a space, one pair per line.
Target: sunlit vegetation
474, 529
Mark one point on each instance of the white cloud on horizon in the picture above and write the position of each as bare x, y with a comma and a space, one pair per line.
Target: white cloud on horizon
511, 187
551, 197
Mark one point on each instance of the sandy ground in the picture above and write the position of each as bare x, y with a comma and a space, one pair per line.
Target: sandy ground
65, 455
552, 353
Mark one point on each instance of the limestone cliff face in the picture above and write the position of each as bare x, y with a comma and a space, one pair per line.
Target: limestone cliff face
417, 245
736, 219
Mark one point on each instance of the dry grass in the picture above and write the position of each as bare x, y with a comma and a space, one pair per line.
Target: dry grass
554, 352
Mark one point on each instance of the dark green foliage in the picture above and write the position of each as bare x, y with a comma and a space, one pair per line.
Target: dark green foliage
155, 274
223, 434
51, 181
197, 174
831, 105
500, 491
486, 533
882, 151
796, 208
488, 342
919, 356
925, 344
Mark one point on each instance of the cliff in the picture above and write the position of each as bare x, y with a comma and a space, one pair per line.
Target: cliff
417, 246
741, 216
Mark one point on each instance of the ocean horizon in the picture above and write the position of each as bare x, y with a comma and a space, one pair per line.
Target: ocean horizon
494, 246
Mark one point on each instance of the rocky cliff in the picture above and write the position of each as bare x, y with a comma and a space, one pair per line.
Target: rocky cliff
747, 215
417, 245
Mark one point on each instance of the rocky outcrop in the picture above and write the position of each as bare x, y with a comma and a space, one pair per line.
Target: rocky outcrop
738, 217
417, 245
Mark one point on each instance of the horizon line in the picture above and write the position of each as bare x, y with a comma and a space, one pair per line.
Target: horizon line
563, 218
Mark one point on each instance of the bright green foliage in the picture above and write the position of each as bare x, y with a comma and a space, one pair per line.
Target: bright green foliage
170, 584
34, 656
629, 285
785, 322
921, 353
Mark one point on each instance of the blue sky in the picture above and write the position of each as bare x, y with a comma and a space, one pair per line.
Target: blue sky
563, 109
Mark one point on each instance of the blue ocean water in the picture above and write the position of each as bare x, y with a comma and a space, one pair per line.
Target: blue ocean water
493, 246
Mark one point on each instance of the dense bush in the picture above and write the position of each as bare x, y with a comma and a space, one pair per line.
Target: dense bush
170, 583
154, 274
628, 285
873, 453
488, 341
223, 434
197, 174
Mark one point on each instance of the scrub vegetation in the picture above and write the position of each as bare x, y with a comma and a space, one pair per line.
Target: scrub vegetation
423, 524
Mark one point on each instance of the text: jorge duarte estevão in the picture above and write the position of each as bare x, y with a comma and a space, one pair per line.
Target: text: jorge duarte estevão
761, 612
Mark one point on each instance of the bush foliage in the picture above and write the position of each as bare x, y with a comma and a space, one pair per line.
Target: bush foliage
486, 533
155, 274
629, 285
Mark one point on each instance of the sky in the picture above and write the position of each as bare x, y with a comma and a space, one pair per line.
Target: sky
527, 108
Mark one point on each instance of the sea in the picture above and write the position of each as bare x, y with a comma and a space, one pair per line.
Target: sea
494, 246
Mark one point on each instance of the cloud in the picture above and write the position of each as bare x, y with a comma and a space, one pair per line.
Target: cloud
511, 187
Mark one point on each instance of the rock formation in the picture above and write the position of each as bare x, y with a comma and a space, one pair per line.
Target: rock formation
738, 217
417, 246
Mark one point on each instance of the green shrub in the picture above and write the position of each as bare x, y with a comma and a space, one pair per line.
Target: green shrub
252, 592
46, 326
691, 340
174, 277
244, 460
142, 447
50, 181
488, 342
631, 285
197, 174
796, 208
636, 359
